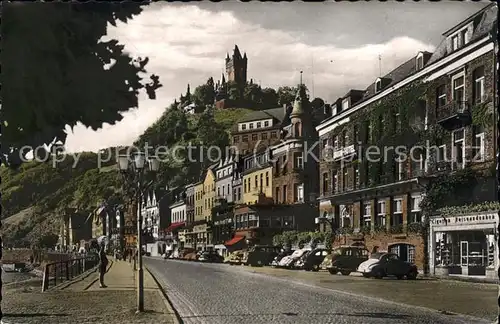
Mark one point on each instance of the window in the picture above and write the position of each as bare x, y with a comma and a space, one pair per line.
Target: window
397, 121
255, 137
251, 125
397, 218
263, 136
440, 96
299, 193
356, 181
345, 138
478, 76
415, 213
400, 171
335, 182
261, 181
259, 124
273, 134
442, 153
336, 143
454, 43
381, 213
478, 149
345, 179
267, 179
277, 194
420, 62
458, 148
218, 191
266, 123
252, 220
458, 88
355, 134
464, 36
378, 85
244, 138
299, 161
325, 183
243, 126
256, 182
367, 214
236, 139
345, 104
284, 193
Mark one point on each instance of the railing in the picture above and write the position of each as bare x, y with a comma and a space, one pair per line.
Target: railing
59, 272
451, 109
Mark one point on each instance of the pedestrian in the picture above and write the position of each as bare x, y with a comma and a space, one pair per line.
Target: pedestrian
103, 263
124, 256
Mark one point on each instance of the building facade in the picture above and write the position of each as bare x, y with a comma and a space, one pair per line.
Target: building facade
257, 130
435, 107
257, 178
224, 179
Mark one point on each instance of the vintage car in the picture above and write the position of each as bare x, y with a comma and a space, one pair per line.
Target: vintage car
260, 255
381, 265
290, 260
345, 259
280, 256
211, 257
312, 260
234, 257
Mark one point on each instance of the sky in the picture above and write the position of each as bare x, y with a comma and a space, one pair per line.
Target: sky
337, 45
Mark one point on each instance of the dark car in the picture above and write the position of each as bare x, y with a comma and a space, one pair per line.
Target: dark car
261, 255
345, 259
312, 260
387, 264
210, 256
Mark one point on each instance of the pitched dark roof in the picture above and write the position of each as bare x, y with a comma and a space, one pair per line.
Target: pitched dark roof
486, 20
277, 114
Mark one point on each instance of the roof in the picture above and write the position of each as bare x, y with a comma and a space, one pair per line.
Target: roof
277, 114
487, 21
398, 74
467, 20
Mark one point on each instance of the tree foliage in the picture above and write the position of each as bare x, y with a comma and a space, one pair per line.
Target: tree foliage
57, 71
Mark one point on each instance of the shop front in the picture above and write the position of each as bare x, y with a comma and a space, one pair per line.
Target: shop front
464, 245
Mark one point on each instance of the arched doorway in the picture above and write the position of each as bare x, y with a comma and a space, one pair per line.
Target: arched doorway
405, 251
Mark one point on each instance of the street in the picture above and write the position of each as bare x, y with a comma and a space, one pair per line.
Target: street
216, 293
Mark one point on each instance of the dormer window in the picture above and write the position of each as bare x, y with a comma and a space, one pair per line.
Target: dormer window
454, 43
464, 36
243, 126
345, 104
420, 61
378, 85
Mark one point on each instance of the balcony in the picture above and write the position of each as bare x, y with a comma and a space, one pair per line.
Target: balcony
454, 115
344, 152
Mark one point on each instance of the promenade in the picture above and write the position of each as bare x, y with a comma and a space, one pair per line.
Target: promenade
84, 302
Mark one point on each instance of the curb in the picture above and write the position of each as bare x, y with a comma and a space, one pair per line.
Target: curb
96, 280
166, 300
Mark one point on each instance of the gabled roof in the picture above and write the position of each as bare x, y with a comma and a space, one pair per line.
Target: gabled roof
277, 114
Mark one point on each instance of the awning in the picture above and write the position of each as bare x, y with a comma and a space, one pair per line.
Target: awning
234, 240
174, 226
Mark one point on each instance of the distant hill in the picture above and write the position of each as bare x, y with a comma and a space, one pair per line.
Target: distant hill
35, 195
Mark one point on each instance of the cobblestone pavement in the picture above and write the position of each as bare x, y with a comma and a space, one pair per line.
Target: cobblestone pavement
26, 304
216, 293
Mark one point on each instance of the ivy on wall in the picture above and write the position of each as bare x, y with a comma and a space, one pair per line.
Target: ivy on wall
482, 115
486, 206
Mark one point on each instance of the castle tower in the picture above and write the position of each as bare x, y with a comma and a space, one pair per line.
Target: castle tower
300, 117
236, 67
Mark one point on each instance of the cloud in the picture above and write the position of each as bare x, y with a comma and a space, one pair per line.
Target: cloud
187, 44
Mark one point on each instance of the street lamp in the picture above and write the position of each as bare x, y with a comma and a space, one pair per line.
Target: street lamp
424, 183
138, 184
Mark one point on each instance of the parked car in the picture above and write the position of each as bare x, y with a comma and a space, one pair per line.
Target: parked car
312, 260
234, 257
191, 256
345, 259
210, 256
387, 264
289, 261
261, 255
280, 256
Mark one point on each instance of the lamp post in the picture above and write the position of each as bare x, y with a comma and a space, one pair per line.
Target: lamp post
424, 183
135, 178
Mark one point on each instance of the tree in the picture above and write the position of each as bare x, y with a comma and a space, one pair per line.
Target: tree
269, 98
47, 241
287, 94
234, 92
317, 104
57, 71
253, 94
204, 94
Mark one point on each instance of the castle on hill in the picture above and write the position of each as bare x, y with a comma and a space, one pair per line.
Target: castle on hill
236, 71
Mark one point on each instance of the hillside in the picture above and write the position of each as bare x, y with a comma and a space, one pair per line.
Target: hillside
34, 196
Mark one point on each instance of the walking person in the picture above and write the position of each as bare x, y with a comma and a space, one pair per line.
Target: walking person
103, 263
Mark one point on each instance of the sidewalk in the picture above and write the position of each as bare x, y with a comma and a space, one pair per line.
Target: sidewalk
84, 302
